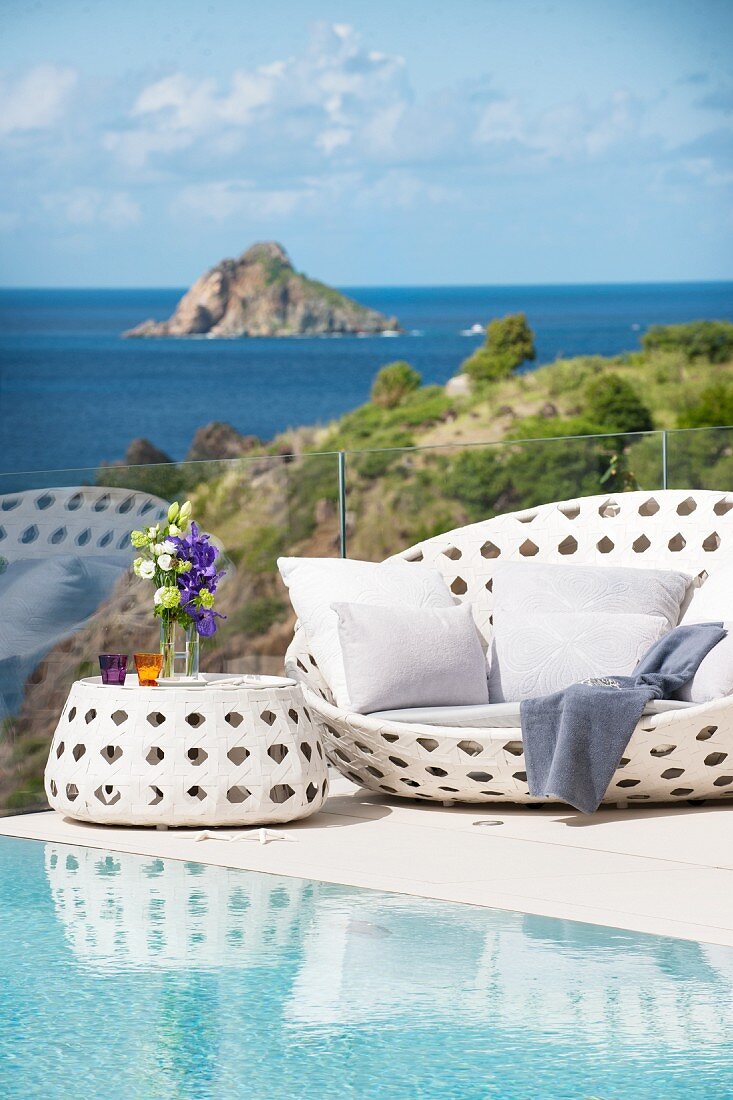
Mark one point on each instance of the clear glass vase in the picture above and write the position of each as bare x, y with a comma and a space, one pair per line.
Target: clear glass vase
192, 653
168, 646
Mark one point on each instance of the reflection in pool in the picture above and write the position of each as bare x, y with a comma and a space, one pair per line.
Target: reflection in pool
134, 977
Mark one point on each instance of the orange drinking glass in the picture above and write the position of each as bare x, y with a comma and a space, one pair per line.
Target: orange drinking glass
148, 667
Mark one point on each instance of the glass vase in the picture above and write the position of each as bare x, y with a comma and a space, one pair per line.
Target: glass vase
192, 653
168, 646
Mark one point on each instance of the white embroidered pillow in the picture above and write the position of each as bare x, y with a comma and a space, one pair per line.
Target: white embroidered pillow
535, 655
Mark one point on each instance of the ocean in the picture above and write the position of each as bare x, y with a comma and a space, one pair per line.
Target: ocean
73, 393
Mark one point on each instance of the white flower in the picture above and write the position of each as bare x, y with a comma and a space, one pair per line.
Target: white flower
152, 532
165, 562
173, 530
167, 547
158, 549
136, 566
167, 596
146, 570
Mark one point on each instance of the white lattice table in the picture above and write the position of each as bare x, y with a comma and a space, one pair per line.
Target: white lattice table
186, 755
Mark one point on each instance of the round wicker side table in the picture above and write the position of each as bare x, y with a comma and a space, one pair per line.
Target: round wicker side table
217, 754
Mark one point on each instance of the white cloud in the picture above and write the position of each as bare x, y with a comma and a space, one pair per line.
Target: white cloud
179, 102
220, 200
336, 127
88, 206
563, 131
36, 100
318, 102
133, 148
400, 189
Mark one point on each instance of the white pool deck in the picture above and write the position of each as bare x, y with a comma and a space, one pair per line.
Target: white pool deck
659, 869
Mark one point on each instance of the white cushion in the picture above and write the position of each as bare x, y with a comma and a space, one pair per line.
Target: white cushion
714, 677
316, 583
712, 602
488, 716
535, 655
538, 587
410, 656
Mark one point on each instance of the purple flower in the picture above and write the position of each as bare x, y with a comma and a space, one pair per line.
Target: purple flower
196, 548
204, 620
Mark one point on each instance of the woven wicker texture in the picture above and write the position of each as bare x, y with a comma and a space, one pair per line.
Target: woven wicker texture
676, 755
185, 756
84, 520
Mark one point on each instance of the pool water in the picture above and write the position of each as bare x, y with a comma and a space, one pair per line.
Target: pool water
124, 976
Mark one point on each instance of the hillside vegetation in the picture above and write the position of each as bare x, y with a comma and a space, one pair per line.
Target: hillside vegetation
282, 497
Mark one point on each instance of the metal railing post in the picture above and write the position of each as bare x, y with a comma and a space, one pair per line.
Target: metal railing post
342, 502
664, 459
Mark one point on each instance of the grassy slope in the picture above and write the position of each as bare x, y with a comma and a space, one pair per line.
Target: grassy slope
261, 508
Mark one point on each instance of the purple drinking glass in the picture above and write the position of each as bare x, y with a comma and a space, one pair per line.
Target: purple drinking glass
113, 667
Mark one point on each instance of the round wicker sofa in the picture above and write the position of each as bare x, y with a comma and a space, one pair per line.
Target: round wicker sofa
673, 756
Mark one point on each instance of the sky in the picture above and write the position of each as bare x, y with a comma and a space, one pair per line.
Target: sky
383, 143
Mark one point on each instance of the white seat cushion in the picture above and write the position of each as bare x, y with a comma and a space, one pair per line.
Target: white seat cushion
489, 715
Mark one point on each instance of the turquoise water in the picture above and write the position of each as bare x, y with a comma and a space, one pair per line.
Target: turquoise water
141, 978
73, 393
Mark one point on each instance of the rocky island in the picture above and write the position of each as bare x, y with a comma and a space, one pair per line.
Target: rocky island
261, 294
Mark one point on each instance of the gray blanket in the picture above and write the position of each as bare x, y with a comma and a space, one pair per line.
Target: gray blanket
574, 739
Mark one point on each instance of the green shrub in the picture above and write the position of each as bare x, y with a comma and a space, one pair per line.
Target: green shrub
713, 407
567, 376
393, 384
709, 340
423, 407
613, 403
485, 366
541, 427
373, 465
509, 343
511, 337
504, 478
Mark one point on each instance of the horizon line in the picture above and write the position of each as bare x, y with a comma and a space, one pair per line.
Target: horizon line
394, 286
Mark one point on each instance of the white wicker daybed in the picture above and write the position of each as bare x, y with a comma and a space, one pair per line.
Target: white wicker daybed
677, 755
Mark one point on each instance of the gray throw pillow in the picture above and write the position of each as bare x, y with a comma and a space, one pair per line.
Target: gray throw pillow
410, 657
528, 587
535, 655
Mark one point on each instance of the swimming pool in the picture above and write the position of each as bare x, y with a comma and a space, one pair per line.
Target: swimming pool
125, 976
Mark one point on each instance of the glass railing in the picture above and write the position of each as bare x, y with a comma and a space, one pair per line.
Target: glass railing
67, 594
399, 497
700, 458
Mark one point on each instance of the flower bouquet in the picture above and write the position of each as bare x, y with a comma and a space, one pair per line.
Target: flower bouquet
181, 562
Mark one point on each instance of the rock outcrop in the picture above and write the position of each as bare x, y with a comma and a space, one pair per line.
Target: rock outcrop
141, 452
261, 294
219, 440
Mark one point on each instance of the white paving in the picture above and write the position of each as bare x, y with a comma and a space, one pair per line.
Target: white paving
660, 869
